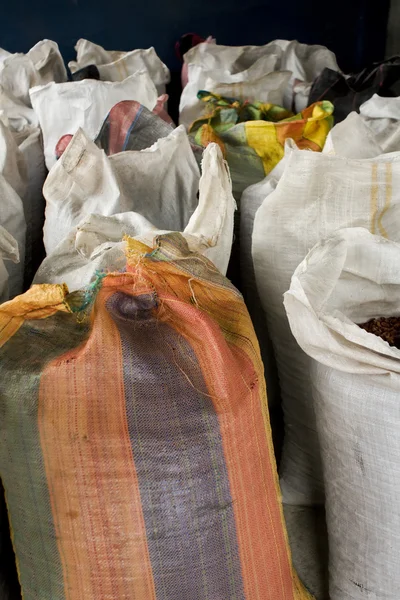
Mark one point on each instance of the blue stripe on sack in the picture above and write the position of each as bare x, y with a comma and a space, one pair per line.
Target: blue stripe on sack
179, 459
132, 126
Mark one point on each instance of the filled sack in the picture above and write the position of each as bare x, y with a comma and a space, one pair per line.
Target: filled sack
138, 438
41, 65
96, 244
250, 202
13, 198
382, 116
183, 45
23, 126
345, 281
116, 66
63, 108
12, 219
12, 162
266, 88
9, 251
159, 182
252, 136
249, 65
352, 138
316, 195
17, 116
348, 92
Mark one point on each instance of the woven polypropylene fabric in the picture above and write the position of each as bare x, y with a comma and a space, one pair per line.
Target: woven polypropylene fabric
252, 136
128, 126
131, 126
137, 457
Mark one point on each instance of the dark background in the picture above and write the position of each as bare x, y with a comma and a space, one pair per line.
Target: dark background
354, 29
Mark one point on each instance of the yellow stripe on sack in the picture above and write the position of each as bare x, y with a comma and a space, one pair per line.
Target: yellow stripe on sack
388, 198
374, 196
39, 302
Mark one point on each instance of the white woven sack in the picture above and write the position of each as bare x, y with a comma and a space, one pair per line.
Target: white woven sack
96, 243
42, 64
4, 54
254, 84
8, 252
13, 191
352, 138
12, 162
137, 60
382, 116
63, 108
25, 160
306, 61
316, 195
13, 221
89, 53
250, 202
230, 64
160, 183
301, 93
269, 88
233, 59
117, 66
347, 279
15, 114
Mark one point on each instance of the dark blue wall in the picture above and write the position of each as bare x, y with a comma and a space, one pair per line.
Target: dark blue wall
354, 29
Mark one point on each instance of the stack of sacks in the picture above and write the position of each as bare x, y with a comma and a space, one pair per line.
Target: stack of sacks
348, 92
63, 108
148, 397
247, 72
113, 65
316, 194
24, 126
159, 182
20, 72
345, 281
96, 245
252, 136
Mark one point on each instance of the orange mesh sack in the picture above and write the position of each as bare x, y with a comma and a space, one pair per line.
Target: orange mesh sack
136, 450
